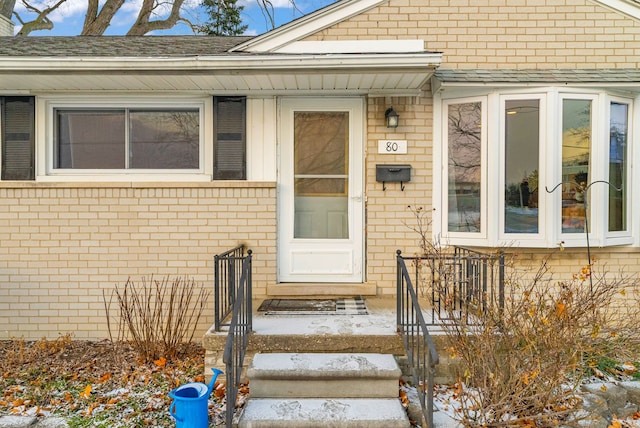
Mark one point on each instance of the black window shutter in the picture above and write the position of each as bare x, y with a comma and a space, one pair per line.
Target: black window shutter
230, 123
17, 138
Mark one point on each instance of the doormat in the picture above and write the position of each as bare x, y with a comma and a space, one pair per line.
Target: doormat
343, 306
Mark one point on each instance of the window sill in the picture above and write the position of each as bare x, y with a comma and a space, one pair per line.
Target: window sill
231, 184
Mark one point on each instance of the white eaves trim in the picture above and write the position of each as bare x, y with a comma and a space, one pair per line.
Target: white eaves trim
628, 7
225, 64
353, 46
309, 24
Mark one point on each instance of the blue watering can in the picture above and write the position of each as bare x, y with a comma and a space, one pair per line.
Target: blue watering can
190, 405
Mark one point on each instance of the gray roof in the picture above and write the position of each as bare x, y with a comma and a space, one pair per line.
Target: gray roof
118, 46
557, 76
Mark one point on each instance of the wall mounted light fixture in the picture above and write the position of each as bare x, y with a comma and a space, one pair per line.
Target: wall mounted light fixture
391, 118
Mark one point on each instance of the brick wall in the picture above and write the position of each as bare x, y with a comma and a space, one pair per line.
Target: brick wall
63, 245
503, 33
475, 34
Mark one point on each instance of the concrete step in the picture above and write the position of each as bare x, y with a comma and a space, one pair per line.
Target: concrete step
311, 375
335, 413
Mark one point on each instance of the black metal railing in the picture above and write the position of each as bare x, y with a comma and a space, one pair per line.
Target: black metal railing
228, 269
238, 337
459, 283
418, 344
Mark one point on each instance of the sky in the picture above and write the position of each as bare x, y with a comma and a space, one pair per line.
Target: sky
69, 17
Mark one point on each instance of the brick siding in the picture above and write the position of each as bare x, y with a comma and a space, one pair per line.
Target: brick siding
63, 245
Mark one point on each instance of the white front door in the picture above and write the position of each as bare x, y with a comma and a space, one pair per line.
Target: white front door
320, 190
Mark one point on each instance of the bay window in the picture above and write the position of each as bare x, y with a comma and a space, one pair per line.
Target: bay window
464, 161
562, 161
618, 166
576, 155
521, 165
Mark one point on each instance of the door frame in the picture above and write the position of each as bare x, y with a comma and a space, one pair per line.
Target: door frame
287, 245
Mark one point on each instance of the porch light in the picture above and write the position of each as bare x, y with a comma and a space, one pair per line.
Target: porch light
391, 117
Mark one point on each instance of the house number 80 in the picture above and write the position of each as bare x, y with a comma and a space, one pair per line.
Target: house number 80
392, 147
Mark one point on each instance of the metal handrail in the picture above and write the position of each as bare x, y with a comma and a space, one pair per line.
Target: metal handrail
418, 344
238, 337
460, 282
227, 271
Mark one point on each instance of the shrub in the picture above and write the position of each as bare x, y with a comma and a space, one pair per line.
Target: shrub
521, 363
156, 315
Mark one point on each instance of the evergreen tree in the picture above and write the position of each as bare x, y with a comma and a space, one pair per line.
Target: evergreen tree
224, 18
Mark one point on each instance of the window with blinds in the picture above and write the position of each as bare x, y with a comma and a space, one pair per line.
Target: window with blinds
230, 153
17, 126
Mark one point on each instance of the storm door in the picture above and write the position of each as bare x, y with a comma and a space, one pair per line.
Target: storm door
320, 190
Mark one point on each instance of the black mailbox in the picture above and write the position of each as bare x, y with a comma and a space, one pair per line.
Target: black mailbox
393, 174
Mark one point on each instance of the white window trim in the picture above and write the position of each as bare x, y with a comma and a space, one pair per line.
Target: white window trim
595, 173
625, 236
492, 204
465, 238
45, 106
525, 239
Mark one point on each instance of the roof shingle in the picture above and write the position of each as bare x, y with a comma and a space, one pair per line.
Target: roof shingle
118, 46
539, 76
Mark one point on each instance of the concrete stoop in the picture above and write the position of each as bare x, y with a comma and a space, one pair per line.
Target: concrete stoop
333, 390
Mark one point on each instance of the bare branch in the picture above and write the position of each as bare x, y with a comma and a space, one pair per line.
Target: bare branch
144, 25
266, 7
41, 22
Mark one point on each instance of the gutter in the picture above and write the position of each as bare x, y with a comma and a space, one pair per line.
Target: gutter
235, 64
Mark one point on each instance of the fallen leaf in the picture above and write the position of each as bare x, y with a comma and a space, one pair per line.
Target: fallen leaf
603, 387
220, 390
87, 392
105, 377
160, 362
403, 398
615, 424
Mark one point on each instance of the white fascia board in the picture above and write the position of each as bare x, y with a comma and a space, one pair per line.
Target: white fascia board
629, 8
623, 85
235, 64
353, 46
309, 24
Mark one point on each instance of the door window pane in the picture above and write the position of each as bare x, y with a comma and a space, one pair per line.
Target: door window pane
321, 172
576, 152
618, 130
164, 139
522, 148
464, 166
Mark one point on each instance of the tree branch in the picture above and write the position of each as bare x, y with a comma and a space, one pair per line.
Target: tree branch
144, 25
41, 22
95, 22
